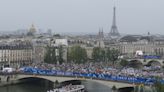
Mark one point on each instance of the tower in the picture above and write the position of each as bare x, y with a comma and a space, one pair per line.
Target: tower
101, 34
114, 31
100, 41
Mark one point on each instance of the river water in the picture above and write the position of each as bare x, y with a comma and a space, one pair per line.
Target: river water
33, 87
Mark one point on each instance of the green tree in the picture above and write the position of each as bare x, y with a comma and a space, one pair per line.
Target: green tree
77, 54
124, 62
47, 56
61, 51
50, 56
114, 89
98, 54
57, 35
95, 53
108, 54
112, 55
103, 55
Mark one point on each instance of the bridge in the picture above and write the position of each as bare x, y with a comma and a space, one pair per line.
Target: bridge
148, 61
13, 79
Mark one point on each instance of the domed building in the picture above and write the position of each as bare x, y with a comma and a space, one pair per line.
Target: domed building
31, 31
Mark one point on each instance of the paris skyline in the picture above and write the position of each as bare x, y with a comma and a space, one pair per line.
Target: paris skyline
133, 16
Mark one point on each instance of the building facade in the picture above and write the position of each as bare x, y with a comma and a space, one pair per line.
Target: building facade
15, 54
129, 45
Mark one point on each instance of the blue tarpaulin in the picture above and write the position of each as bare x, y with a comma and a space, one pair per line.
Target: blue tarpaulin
91, 75
151, 57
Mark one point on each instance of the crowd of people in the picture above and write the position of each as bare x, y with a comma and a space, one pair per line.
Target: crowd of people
100, 68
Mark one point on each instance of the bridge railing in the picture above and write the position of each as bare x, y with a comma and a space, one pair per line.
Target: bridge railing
99, 76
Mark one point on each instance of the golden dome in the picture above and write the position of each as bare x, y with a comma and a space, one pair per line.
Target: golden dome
32, 29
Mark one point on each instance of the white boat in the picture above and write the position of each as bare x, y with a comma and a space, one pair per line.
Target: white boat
69, 88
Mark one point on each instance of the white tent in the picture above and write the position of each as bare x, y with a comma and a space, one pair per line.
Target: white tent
139, 53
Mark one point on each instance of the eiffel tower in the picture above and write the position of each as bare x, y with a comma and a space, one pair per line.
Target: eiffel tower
114, 31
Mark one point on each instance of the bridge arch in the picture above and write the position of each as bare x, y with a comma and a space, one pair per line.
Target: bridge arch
154, 63
66, 78
8, 78
135, 63
33, 78
126, 89
53, 79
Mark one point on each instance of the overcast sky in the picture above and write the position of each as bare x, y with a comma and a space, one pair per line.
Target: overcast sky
133, 16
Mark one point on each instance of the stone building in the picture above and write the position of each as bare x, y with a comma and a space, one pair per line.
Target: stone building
15, 54
39, 49
149, 45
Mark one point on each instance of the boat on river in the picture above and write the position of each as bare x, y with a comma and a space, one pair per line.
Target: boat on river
69, 88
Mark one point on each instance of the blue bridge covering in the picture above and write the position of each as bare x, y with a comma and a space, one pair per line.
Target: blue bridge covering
151, 57
147, 81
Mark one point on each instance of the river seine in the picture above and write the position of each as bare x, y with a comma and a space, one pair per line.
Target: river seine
34, 87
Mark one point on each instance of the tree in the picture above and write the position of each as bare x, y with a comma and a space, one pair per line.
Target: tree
124, 62
114, 89
50, 56
108, 54
57, 35
61, 60
95, 53
54, 54
47, 56
77, 54
112, 55
98, 54
102, 55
